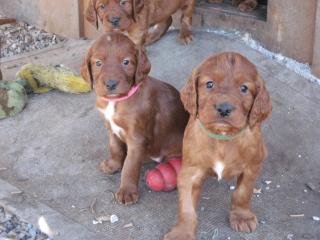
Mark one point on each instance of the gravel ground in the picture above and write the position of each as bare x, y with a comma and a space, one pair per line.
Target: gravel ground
21, 37
13, 228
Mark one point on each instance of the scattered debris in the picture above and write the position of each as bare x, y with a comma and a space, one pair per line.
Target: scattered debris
129, 225
3, 169
314, 186
202, 209
315, 218
207, 198
267, 182
257, 190
114, 218
278, 186
267, 188
262, 221
93, 206
297, 215
17, 193
232, 188
215, 233
73, 206
290, 236
305, 190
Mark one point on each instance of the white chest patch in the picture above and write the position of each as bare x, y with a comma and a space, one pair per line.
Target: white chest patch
109, 113
218, 168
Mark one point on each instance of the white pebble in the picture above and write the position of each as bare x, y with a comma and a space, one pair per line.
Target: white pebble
267, 182
232, 187
114, 218
267, 188
315, 218
278, 186
305, 190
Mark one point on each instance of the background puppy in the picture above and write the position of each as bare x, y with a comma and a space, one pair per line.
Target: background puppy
144, 116
243, 5
135, 17
227, 101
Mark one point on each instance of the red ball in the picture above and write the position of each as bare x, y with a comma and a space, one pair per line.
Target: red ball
154, 180
169, 176
175, 163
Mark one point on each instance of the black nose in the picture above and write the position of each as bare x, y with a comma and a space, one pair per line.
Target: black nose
114, 20
224, 109
111, 84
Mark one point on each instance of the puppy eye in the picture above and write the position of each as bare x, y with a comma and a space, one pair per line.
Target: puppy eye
126, 61
98, 63
102, 6
243, 88
210, 84
123, 2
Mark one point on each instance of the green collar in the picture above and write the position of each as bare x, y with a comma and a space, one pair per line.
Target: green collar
218, 136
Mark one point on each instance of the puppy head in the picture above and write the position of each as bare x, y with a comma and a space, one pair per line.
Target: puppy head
114, 14
226, 93
113, 65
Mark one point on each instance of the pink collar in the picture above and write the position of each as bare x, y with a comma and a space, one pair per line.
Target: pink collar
131, 92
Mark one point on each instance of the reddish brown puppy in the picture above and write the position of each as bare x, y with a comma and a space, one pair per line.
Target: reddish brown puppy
243, 5
135, 17
144, 116
227, 101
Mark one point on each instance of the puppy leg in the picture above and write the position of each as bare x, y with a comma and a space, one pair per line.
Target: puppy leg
158, 31
186, 22
118, 153
128, 192
190, 180
248, 5
242, 219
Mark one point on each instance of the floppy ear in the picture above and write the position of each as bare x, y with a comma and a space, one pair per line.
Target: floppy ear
137, 7
91, 14
143, 66
85, 69
262, 106
189, 94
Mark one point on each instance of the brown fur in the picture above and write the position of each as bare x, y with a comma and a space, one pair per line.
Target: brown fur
152, 120
241, 157
243, 5
137, 17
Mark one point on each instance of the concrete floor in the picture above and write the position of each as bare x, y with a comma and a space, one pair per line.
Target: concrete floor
53, 148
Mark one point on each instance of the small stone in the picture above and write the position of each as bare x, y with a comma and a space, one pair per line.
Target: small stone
278, 186
315, 218
290, 236
257, 191
267, 188
202, 209
232, 188
267, 182
114, 218
305, 190
129, 225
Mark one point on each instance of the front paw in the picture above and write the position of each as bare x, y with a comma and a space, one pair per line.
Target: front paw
110, 166
179, 233
185, 37
243, 220
127, 195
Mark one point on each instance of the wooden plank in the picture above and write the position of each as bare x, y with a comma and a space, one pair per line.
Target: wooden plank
4, 20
